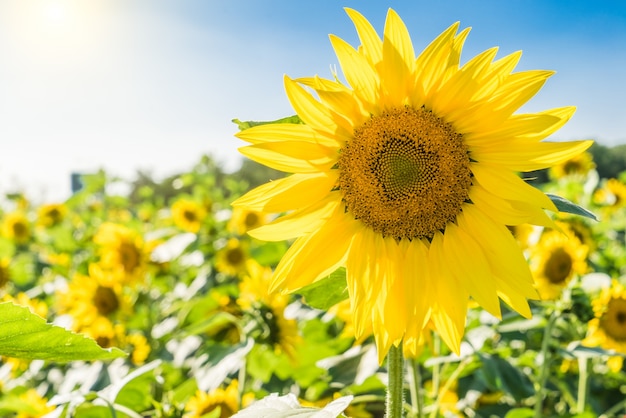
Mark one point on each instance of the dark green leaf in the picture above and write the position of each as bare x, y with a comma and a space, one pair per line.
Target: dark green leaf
564, 205
28, 336
326, 292
249, 124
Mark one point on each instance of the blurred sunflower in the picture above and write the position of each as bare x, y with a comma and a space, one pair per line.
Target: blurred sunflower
408, 177
139, 348
33, 405
254, 296
100, 294
243, 220
226, 401
611, 196
580, 228
16, 227
578, 165
608, 328
188, 215
5, 273
555, 260
51, 214
121, 248
231, 259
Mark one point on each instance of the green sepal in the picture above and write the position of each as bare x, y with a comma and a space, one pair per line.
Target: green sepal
326, 292
564, 205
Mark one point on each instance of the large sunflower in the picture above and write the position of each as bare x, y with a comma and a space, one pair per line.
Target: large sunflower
407, 176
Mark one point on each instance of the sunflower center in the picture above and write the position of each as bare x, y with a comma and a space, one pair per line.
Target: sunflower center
614, 320
105, 300
129, 256
405, 174
190, 216
559, 266
235, 256
20, 229
252, 220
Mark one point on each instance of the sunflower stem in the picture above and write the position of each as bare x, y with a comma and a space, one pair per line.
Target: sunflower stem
416, 388
545, 366
395, 369
581, 401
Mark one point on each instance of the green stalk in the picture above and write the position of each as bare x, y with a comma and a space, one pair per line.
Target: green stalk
583, 363
415, 388
395, 368
543, 372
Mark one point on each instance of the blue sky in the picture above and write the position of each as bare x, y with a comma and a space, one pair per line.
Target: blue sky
154, 84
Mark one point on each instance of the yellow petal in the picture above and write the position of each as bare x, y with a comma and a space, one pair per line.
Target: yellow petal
289, 193
418, 291
280, 132
292, 156
508, 185
433, 62
311, 258
524, 156
451, 298
502, 252
507, 212
370, 41
358, 72
300, 222
340, 99
396, 68
462, 85
314, 113
471, 268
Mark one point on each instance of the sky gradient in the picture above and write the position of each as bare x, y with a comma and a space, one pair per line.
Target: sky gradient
152, 85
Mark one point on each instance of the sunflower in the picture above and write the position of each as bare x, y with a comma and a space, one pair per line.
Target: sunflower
611, 196
269, 308
231, 259
555, 260
608, 328
140, 349
5, 273
224, 400
579, 165
242, 220
16, 227
407, 176
33, 405
121, 248
98, 295
51, 214
188, 215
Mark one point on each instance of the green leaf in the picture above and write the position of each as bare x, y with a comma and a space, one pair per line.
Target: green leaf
326, 292
564, 205
249, 124
501, 375
26, 335
520, 413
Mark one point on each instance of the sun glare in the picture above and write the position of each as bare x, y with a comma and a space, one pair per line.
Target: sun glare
55, 12
51, 31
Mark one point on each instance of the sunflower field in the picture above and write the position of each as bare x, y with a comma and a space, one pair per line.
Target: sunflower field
169, 283
408, 246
